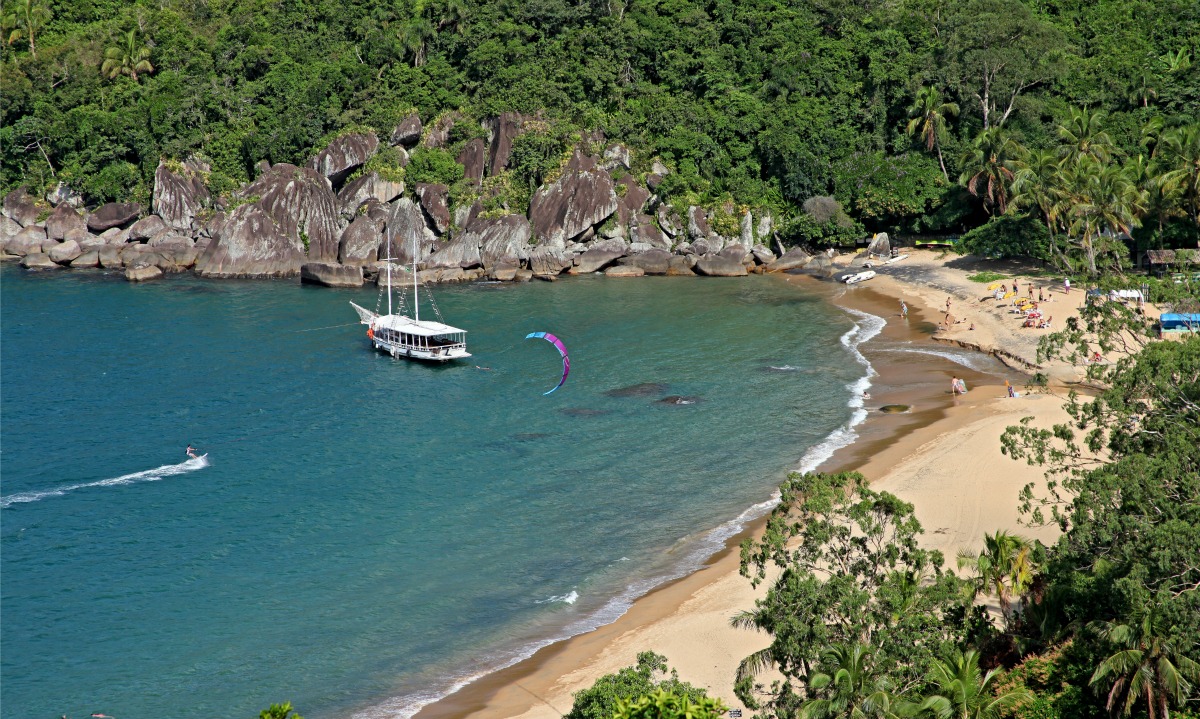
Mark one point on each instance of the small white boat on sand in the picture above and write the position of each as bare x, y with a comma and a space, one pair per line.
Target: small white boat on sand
897, 258
859, 277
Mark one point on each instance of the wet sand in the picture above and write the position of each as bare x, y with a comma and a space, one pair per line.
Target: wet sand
943, 455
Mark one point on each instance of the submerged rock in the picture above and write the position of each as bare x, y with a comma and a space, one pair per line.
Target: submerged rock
583, 412
644, 389
895, 408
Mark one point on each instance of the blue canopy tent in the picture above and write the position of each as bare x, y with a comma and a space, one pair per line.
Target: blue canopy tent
1179, 322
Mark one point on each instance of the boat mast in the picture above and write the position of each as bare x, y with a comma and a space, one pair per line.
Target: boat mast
389, 270
416, 297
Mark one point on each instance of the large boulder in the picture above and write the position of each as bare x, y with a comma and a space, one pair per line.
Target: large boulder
708, 245
578, 200
88, 260
301, 204
821, 264
473, 157
435, 200
681, 266
438, 134
28, 241
717, 266
406, 230
65, 252
652, 262
697, 220
502, 240
747, 230
8, 228
624, 271
114, 214
110, 257
147, 228
461, 252
880, 246
64, 220
329, 274
115, 236
765, 225
38, 261
762, 255
616, 244
549, 261
249, 244
668, 221
736, 252
343, 155
143, 272
180, 195
364, 188
360, 242
631, 198
21, 206
171, 241
62, 193
504, 130
617, 155
644, 230
594, 260
791, 260
408, 132
465, 215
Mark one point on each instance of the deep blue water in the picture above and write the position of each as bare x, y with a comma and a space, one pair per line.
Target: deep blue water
366, 531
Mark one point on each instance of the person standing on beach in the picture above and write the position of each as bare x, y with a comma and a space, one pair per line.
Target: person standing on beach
947, 305
1066, 285
903, 310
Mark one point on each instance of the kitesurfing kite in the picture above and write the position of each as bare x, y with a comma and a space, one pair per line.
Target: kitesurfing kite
561, 350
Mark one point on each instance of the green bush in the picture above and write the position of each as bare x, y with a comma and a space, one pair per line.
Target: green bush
1008, 236
433, 165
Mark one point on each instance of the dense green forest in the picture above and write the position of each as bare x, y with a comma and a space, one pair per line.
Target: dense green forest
918, 116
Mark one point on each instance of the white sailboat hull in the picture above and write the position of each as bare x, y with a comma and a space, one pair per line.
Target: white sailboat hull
405, 338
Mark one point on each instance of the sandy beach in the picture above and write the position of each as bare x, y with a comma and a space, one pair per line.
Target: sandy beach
943, 456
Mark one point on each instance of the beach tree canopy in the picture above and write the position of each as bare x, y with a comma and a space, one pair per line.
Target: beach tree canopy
651, 676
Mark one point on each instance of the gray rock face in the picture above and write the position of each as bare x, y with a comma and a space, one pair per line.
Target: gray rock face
668, 221
652, 262
438, 133
821, 264
464, 215
179, 198
171, 241
504, 273
680, 267
114, 214
765, 226
624, 271
62, 193
330, 275
747, 230
643, 230
110, 257
792, 259
736, 253
38, 261
408, 132
143, 273
473, 158
28, 241
343, 155
461, 252
551, 261
360, 242
880, 246
594, 260
578, 200
708, 245
406, 229
617, 245
115, 236
147, 228
616, 155
63, 220
299, 200
65, 252
8, 228
249, 244
762, 255
502, 240
88, 260
435, 202
376, 210
369, 186
504, 130
21, 207
697, 223
86, 240
717, 266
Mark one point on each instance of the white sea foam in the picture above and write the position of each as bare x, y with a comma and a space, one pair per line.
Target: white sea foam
696, 550
569, 598
783, 368
148, 475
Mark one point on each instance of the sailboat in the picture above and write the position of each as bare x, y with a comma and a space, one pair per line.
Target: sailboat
399, 335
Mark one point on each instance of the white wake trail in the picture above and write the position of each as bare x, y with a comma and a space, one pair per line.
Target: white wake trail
148, 475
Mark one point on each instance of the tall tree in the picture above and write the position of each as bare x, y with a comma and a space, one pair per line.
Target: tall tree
1037, 186
129, 57
1148, 665
965, 692
25, 18
928, 122
1183, 157
1083, 134
989, 167
415, 35
1005, 567
1103, 200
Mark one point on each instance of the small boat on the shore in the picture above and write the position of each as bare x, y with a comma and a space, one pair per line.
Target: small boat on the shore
859, 277
897, 258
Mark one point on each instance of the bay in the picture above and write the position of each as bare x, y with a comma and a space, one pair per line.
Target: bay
366, 532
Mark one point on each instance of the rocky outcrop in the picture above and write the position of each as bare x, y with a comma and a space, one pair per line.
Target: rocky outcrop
360, 242
63, 220
473, 157
406, 229
792, 259
38, 261
62, 193
765, 226
8, 228
408, 132
880, 246
21, 207
110, 257
736, 253
143, 273
618, 245
643, 230
301, 204
549, 261
171, 241
179, 197
594, 260
146, 228
28, 241
681, 266
504, 130
343, 155
581, 198
464, 215
88, 260
762, 255
652, 262
747, 230
437, 134
615, 156
708, 245
502, 240
435, 202
624, 271
668, 221
370, 185
114, 214
330, 275
717, 266
65, 252
461, 252
249, 244
697, 220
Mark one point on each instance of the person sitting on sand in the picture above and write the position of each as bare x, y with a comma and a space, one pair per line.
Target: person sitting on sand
1045, 324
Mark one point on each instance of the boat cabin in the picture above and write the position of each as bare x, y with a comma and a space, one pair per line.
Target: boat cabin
402, 336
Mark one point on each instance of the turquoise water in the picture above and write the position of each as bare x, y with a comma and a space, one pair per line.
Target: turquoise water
366, 533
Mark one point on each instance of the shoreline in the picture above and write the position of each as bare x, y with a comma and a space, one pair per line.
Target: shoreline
541, 684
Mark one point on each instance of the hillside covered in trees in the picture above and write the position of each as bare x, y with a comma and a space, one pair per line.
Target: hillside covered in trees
917, 116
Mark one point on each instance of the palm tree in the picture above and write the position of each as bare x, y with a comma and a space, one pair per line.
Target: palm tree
1148, 664
928, 122
128, 58
25, 18
453, 12
1102, 198
1083, 135
1182, 145
990, 164
1037, 185
415, 35
964, 692
1004, 568
854, 691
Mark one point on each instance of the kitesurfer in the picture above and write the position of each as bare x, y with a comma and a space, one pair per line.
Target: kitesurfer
191, 452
